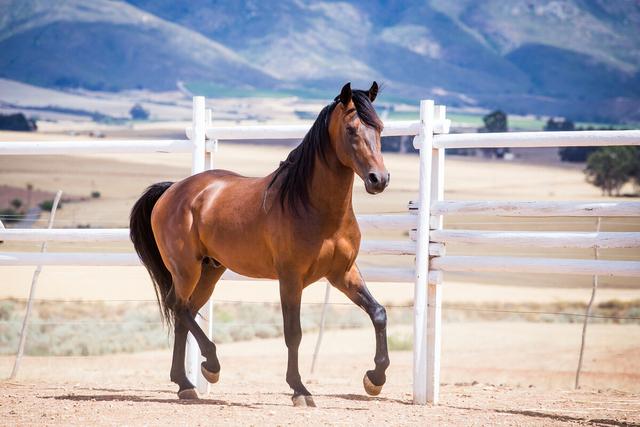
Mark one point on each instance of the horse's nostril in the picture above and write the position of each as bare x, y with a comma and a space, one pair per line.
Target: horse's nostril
373, 178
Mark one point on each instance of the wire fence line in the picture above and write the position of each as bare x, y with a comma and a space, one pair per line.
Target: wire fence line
345, 304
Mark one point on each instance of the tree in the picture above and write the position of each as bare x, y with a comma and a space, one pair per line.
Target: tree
495, 121
635, 172
561, 124
17, 122
138, 112
609, 168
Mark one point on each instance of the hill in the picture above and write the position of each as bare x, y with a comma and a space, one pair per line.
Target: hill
578, 58
106, 45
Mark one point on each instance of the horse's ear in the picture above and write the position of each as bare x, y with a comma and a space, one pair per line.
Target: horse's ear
373, 91
345, 94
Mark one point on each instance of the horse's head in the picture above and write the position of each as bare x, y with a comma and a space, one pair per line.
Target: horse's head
355, 134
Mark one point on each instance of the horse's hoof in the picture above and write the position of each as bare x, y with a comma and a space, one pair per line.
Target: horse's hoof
369, 387
300, 401
212, 377
310, 402
188, 394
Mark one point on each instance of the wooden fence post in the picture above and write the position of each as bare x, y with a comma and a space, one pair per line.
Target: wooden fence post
32, 294
434, 294
323, 314
587, 313
424, 142
193, 357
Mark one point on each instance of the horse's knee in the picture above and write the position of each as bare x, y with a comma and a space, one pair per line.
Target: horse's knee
292, 339
379, 317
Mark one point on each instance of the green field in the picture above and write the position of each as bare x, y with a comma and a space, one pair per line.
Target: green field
516, 123
458, 119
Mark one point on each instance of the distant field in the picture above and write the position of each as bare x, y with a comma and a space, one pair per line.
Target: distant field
516, 123
212, 90
121, 178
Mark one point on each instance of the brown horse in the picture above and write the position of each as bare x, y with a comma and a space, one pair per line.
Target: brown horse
296, 225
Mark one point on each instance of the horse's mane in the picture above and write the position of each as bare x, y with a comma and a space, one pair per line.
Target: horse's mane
296, 171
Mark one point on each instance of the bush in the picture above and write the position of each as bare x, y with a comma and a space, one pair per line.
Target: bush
138, 112
47, 205
16, 203
561, 124
95, 194
575, 154
17, 122
9, 215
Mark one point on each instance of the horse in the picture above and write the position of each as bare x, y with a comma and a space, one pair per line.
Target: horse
295, 225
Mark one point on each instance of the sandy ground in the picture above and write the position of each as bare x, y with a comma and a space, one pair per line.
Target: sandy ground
492, 373
134, 389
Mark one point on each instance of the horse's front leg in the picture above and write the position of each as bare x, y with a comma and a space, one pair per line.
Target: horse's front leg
290, 296
354, 287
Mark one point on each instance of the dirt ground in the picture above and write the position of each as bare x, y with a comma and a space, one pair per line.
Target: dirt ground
492, 373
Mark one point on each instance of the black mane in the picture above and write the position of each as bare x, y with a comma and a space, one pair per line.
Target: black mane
296, 171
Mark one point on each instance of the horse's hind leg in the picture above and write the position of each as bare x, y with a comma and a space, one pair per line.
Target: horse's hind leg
186, 390
211, 273
354, 287
185, 308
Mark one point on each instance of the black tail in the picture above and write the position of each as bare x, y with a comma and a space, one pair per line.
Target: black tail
145, 244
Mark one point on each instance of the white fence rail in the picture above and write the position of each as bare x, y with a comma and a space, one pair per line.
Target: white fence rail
538, 139
93, 146
539, 239
426, 218
536, 209
586, 267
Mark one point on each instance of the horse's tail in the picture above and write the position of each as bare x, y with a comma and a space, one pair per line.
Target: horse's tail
145, 244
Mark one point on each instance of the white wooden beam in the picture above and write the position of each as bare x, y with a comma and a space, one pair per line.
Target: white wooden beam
93, 146
240, 132
371, 222
130, 259
420, 309
536, 208
434, 291
65, 234
594, 138
539, 239
536, 265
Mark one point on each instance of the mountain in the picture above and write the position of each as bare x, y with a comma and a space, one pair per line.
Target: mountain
106, 45
578, 58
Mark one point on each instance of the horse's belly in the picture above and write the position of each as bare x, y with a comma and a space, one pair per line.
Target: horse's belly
243, 254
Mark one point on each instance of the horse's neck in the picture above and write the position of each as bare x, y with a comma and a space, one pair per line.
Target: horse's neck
331, 187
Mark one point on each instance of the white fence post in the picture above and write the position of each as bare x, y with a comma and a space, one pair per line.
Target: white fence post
193, 357
32, 293
434, 294
424, 142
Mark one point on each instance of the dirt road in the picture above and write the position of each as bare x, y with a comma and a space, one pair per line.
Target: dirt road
490, 377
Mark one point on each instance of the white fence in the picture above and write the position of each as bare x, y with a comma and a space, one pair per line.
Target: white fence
425, 217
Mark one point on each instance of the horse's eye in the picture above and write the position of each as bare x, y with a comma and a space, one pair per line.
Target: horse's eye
351, 130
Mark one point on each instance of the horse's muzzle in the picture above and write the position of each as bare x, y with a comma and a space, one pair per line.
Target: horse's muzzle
376, 181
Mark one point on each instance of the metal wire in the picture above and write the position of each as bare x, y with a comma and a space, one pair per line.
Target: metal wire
449, 308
